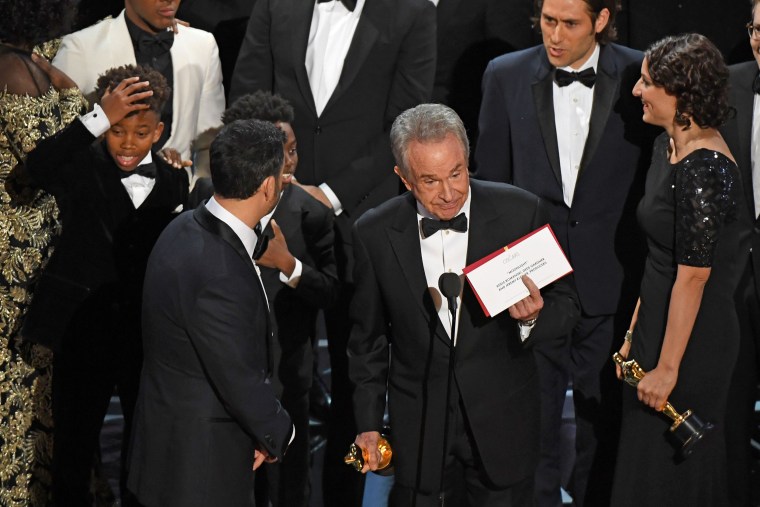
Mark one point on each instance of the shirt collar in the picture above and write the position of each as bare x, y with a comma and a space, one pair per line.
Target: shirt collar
245, 233
592, 62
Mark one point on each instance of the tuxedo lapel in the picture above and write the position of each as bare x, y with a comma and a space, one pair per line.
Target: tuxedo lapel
744, 98
404, 238
118, 43
218, 228
373, 18
543, 99
605, 91
302, 13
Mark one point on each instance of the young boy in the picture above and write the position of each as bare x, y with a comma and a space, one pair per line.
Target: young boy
299, 273
115, 197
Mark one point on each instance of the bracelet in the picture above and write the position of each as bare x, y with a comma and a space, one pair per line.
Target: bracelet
527, 323
628, 335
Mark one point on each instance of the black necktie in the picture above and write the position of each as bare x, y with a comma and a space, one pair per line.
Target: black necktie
586, 77
350, 4
147, 170
756, 83
261, 243
431, 226
155, 45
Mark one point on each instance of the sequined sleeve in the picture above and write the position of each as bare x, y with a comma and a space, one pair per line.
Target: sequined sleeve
704, 187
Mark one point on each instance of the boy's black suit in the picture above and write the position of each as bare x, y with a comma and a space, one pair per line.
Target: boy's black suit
308, 229
87, 303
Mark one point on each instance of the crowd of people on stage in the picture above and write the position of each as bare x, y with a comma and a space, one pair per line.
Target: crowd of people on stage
183, 245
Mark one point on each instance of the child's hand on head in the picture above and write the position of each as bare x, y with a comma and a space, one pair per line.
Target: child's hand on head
173, 158
122, 100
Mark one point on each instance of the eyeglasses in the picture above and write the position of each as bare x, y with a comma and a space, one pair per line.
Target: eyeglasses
753, 30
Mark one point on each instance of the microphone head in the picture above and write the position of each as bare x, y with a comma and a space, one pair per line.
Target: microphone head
450, 285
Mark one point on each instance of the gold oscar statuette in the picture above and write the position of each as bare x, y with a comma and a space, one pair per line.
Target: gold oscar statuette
356, 457
687, 429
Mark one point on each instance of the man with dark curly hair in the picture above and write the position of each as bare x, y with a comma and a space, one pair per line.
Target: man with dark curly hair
115, 198
559, 121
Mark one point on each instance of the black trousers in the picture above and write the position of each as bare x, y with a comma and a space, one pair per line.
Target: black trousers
585, 359
742, 393
101, 350
465, 483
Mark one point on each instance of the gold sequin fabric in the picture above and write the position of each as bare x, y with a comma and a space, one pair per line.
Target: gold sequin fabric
27, 234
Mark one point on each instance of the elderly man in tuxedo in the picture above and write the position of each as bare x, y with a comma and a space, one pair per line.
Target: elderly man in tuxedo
559, 120
188, 59
742, 134
400, 340
207, 415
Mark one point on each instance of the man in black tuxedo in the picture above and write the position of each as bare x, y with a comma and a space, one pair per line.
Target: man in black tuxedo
400, 320
300, 277
559, 120
206, 413
115, 197
348, 68
741, 134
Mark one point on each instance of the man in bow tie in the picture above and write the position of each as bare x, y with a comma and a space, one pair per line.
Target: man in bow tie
116, 197
742, 134
146, 33
558, 120
402, 329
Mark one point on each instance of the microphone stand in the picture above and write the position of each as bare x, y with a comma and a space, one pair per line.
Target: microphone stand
450, 289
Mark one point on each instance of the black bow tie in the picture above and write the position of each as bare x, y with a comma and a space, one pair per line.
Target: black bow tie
147, 170
155, 45
350, 4
586, 77
261, 243
756, 83
431, 226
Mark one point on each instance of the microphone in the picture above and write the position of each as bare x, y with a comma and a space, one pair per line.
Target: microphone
450, 285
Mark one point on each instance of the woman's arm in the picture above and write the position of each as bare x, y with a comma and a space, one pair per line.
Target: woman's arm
685, 298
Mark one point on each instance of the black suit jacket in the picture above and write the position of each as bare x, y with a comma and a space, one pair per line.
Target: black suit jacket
308, 229
390, 67
518, 145
738, 135
205, 399
495, 372
103, 250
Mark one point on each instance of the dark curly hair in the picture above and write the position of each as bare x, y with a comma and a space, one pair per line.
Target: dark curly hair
27, 23
690, 68
594, 7
259, 105
161, 90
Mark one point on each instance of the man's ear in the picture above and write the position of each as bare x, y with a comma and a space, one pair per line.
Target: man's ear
397, 170
601, 20
158, 131
269, 187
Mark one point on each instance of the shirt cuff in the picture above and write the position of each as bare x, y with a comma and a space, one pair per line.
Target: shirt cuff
337, 206
525, 329
96, 121
295, 276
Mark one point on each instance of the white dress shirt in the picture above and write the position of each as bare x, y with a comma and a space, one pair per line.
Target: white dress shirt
755, 154
572, 116
332, 30
443, 252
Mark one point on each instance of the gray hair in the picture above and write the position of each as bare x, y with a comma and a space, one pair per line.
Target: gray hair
425, 123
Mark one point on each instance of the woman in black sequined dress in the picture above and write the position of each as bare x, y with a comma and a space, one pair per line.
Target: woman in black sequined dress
687, 333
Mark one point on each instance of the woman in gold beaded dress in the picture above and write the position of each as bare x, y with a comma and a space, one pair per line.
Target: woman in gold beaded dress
36, 101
